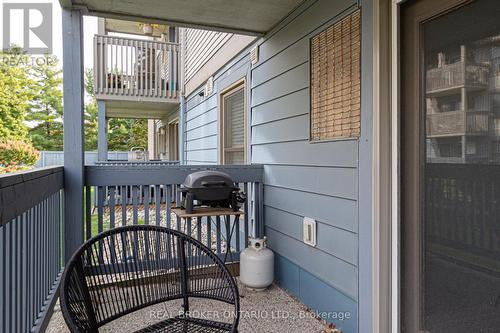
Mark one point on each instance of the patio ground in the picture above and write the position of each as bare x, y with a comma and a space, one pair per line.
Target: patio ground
270, 311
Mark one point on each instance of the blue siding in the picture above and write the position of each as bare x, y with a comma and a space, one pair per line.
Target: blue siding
202, 116
319, 296
317, 180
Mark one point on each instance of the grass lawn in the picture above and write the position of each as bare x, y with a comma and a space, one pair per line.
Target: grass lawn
94, 221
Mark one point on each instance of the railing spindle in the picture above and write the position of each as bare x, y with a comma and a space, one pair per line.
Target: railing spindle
209, 232
168, 204
112, 204
218, 235
150, 57
135, 213
147, 197
116, 69
245, 216
123, 201
157, 197
198, 232
88, 212
111, 67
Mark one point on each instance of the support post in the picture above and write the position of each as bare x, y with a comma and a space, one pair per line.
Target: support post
259, 210
182, 129
73, 130
152, 140
102, 132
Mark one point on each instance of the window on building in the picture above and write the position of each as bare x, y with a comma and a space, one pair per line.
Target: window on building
335, 80
173, 140
232, 127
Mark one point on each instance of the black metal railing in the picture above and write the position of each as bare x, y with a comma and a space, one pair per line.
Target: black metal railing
31, 258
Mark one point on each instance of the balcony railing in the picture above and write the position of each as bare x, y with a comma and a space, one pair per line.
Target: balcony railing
136, 163
146, 194
456, 218
135, 69
456, 75
456, 123
31, 225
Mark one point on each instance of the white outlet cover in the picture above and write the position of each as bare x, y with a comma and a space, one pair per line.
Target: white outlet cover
309, 231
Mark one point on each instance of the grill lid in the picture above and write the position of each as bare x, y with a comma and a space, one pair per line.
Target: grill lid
208, 179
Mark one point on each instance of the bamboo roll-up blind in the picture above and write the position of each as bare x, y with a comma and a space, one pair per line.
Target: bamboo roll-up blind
335, 80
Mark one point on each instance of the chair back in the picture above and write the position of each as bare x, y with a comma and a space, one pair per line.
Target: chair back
128, 268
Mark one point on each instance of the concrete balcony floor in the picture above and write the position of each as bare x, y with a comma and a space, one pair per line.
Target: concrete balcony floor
273, 310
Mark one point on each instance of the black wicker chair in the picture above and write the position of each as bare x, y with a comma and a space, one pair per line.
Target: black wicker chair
129, 268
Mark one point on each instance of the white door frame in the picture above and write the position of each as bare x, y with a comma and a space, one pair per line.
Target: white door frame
386, 167
385, 174
395, 167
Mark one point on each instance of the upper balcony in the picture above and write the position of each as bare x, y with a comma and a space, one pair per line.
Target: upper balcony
136, 70
457, 123
449, 78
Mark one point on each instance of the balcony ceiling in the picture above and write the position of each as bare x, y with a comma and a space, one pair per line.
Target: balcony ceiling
254, 17
133, 28
139, 109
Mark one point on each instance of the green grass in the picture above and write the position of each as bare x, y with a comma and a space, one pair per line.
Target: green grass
94, 223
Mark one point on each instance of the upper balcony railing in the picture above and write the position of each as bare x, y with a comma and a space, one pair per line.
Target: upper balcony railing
455, 123
456, 75
135, 69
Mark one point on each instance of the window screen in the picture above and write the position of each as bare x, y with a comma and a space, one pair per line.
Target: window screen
234, 127
335, 80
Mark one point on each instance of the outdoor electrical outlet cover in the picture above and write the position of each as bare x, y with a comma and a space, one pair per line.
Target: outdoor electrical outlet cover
309, 231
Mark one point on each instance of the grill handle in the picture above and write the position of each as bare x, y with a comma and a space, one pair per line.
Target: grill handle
213, 183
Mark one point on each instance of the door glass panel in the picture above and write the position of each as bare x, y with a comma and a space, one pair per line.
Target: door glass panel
461, 231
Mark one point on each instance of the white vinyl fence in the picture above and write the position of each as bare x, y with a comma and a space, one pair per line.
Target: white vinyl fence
51, 158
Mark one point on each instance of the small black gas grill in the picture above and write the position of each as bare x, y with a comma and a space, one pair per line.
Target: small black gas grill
210, 188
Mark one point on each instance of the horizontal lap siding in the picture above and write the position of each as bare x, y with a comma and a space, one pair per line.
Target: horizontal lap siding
334, 154
290, 129
284, 107
201, 130
202, 115
201, 45
317, 180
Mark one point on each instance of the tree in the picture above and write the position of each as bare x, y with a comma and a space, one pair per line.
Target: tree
123, 134
139, 131
46, 109
127, 133
90, 113
16, 155
16, 92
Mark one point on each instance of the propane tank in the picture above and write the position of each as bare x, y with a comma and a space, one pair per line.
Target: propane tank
257, 265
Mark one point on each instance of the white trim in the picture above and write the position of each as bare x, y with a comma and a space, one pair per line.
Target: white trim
241, 84
381, 168
395, 169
